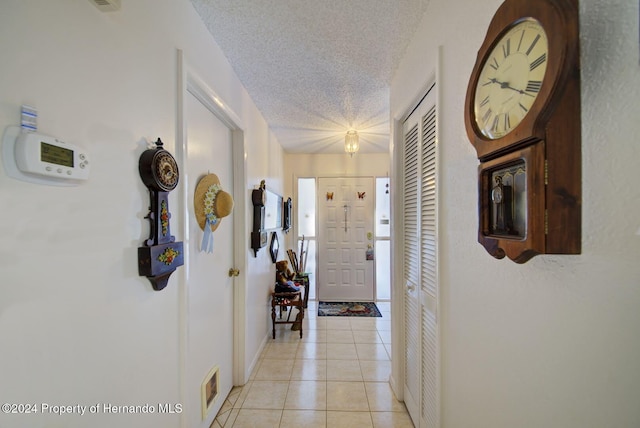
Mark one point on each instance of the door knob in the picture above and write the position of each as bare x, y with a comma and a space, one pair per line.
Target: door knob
234, 272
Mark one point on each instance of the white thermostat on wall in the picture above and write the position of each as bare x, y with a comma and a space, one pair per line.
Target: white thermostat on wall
41, 159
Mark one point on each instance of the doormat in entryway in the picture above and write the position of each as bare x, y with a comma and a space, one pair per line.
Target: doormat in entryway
348, 309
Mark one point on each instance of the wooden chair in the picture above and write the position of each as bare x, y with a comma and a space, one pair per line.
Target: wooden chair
287, 300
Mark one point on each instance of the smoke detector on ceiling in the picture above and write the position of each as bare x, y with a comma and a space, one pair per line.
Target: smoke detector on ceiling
106, 5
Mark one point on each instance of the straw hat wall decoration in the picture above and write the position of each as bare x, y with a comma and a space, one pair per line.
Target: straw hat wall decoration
211, 204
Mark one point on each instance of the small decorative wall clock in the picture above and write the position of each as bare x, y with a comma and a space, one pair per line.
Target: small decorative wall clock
161, 254
522, 115
258, 235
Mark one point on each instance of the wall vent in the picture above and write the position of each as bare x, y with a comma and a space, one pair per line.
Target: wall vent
106, 5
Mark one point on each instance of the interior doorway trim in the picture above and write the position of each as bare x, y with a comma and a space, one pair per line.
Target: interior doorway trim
190, 83
433, 305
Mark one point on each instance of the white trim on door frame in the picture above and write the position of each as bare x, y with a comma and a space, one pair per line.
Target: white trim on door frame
188, 82
396, 380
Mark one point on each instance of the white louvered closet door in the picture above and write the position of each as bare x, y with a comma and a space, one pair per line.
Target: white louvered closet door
421, 383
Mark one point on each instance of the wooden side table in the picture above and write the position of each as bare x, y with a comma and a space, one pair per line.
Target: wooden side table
291, 300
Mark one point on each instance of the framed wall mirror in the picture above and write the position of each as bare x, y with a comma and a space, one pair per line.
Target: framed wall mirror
274, 247
273, 211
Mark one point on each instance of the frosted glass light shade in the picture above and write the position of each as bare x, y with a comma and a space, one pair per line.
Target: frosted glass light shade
351, 142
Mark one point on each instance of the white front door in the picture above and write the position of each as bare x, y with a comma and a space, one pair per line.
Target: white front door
345, 233
209, 289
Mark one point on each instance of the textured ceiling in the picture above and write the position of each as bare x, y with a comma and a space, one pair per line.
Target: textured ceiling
316, 68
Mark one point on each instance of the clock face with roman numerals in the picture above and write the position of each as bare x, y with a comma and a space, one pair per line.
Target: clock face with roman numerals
510, 79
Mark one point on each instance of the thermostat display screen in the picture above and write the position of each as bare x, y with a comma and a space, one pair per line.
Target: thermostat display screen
56, 154
41, 159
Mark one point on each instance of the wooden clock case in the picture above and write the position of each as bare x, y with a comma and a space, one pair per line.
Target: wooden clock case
160, 255
258, 234
547, 142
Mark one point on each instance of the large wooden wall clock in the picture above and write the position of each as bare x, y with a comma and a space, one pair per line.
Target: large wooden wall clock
522, 115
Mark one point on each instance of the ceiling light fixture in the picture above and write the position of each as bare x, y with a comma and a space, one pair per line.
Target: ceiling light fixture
351, 142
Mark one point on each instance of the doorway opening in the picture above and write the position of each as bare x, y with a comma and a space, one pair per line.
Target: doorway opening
307, 228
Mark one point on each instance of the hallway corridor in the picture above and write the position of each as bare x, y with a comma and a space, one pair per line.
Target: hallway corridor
335, 376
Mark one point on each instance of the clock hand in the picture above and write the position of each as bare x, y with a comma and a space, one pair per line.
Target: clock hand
520, 91
505, 85
494, 80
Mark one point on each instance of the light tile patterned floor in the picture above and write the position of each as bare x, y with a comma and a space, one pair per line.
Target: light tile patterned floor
335, 376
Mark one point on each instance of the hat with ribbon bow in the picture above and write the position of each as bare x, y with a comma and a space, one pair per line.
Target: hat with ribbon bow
211, 205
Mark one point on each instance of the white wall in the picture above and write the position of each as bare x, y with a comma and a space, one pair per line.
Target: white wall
267, 163
328, 165
334, 165
77, 323
553, 342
